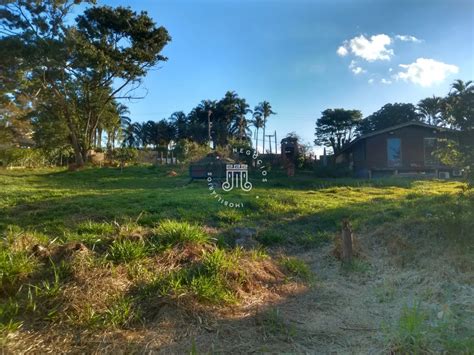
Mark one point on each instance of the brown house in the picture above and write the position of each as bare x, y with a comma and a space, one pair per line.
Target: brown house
405, 149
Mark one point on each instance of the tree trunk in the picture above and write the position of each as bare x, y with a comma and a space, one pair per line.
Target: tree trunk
76, 147
264, 124
256, 142
346, 241
99, 137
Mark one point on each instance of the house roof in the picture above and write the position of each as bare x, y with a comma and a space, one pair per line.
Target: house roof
392, 128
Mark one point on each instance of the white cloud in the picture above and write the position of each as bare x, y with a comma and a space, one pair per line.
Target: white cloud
426, 72
408, 38
370, 49
342, 51
385, 81
355, 68
390, 69
370, 81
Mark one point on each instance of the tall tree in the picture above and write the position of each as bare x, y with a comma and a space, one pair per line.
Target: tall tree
431, 108
257, 123
225, 114
337, 127
389, 115
240, 126
458, 112
265, 109
102, 55
181, 124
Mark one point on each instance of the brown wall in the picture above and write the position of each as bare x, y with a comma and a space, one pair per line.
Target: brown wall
412, 147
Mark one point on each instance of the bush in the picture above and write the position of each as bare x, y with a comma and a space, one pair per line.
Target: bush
187, 151
35, 157
124, 156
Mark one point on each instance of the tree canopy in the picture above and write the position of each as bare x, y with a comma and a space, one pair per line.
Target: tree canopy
337, 127
389, 115
72, 71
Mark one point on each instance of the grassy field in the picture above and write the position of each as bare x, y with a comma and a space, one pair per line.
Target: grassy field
100, 260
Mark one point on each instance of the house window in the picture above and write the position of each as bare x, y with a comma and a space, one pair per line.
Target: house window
394, 152
430, 145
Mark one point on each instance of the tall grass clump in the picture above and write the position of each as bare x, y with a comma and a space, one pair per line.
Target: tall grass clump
125, 250
410, 334
298, 268
170, 233
14, 265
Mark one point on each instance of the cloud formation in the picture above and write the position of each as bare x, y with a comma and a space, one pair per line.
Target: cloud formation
342, 51
355, 68
408, 38
385, 81
426, 72
370, 49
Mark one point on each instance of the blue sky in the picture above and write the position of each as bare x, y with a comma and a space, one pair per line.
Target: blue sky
288, 52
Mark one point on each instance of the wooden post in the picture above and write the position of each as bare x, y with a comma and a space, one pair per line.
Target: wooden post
346, 241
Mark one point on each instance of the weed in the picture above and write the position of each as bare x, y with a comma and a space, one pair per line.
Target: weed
356, 265
172, 233
313, 240
229, 216
14, 266
270, 238
120, 314
125, 250
410, 334
211, 288
273, 323
298, 268
94, 228
218, 262
385, 292
9, 310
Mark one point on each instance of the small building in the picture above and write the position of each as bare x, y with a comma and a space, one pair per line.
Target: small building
211, 164
406, 149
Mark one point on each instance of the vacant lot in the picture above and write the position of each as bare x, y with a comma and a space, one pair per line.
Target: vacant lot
103, 260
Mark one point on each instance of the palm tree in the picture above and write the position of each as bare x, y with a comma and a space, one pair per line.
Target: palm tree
265, 109
240, 125
460, 87
257, 123
203, 112
181, 124
130, 135
430, 108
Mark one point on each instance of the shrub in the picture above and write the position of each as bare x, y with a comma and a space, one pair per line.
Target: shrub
187, 151
124, 156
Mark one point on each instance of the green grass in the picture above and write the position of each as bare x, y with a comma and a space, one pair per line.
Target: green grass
14, 266
302, 210
133, 221
421, 331
172, 233
126, 250
298, 268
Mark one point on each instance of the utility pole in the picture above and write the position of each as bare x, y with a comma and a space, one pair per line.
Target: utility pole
269, 141
276, 146
209, 113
